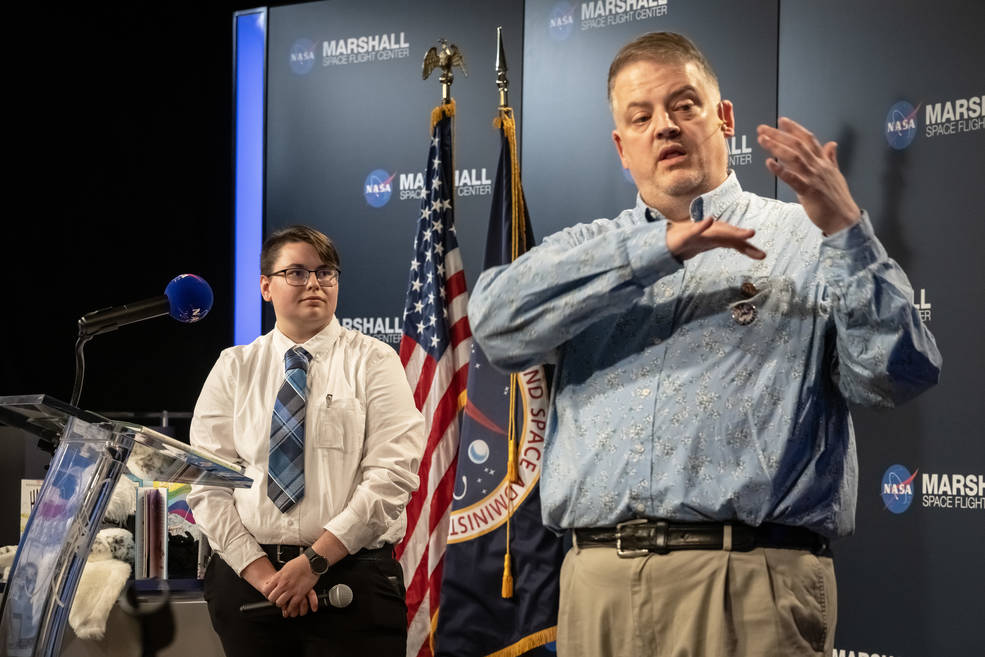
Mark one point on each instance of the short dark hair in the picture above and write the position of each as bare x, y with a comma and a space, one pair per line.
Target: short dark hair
659, 47
317, 239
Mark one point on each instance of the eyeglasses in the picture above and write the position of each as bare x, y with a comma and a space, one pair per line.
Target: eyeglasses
298, 276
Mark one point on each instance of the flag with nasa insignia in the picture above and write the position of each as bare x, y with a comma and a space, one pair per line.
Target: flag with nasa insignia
500, 590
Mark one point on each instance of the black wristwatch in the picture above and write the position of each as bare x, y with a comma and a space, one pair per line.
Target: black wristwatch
318, 563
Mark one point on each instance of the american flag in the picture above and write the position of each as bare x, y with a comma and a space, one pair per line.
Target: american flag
435, 353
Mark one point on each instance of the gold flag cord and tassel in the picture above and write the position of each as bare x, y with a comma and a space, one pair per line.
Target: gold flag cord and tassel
518, 244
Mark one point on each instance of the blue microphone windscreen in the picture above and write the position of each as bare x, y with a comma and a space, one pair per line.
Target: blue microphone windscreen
190, 298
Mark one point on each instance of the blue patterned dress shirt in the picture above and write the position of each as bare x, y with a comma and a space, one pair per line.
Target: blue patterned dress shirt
716, 389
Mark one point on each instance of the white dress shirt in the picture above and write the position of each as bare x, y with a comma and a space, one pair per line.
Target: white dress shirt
363, 443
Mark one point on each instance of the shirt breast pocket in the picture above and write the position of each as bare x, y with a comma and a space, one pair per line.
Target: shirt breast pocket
340, 425
769, 317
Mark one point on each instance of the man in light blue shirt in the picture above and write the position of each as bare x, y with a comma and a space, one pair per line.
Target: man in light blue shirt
708, 342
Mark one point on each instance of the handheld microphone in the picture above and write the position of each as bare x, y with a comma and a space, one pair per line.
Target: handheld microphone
339, 596
187, 298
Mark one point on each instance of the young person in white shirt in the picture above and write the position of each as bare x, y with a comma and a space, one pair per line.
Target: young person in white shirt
363, 440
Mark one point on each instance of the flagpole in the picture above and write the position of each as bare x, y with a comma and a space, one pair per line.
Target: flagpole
501, 80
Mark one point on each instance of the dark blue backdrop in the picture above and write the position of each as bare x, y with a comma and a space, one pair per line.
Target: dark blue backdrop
910, 581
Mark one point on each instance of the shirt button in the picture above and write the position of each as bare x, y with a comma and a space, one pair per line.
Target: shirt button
748, 289
290, 523
640, 507
638, 448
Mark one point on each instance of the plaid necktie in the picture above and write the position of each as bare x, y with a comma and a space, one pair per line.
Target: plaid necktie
285, 470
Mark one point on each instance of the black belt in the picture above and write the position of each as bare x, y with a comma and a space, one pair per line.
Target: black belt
637, 538
281, 554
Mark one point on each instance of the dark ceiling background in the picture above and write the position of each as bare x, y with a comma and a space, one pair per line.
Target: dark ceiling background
119, 179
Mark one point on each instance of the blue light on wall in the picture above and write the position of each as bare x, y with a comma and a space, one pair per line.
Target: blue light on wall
250, 33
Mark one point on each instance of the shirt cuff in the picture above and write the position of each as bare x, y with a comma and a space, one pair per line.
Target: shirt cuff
850, 251
647, 252
353, 533
241, 552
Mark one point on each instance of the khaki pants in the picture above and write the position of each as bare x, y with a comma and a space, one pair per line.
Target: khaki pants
696, 603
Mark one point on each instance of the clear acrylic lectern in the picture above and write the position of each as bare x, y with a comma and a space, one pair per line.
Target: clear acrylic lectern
90, 454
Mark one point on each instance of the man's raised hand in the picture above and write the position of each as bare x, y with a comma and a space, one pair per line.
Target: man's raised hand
812, 171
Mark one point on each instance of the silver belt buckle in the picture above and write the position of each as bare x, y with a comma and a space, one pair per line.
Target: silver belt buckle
629, 554
280, 557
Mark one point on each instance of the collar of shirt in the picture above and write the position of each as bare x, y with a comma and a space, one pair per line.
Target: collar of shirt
709, 204
317, 344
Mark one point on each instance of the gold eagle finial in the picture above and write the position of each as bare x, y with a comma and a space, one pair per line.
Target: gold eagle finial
444, 56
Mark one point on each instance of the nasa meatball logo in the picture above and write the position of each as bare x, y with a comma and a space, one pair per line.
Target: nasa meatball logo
302, 56
378, 187
562, 21
485, 496
897, 488
901, 125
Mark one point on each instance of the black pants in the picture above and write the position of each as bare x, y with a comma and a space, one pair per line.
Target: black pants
375, 623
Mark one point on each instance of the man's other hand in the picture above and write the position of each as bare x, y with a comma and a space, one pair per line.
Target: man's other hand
686, 239
812, 171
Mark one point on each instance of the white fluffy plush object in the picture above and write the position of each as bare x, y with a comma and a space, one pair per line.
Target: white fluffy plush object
123, 503
7, 553
102, 581
113, 543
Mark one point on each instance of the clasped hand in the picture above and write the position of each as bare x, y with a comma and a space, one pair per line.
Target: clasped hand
292, 588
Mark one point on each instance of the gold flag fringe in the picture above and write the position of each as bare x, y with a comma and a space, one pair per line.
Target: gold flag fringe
441, 111
433, 630
518, 244
527, 643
